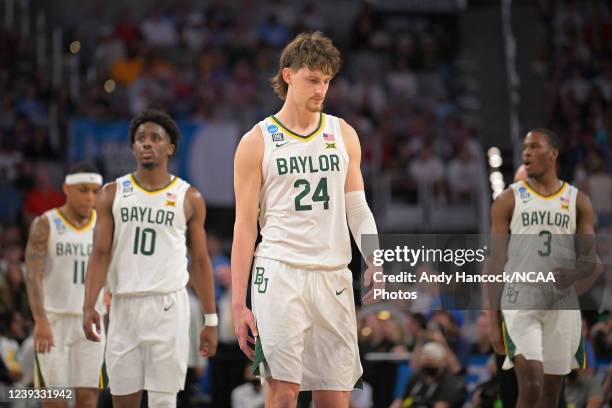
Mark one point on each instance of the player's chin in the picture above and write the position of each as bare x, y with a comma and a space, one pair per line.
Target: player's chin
315, 106
147, 163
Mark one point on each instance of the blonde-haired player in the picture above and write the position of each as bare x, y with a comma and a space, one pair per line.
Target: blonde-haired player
301, 169
59, 244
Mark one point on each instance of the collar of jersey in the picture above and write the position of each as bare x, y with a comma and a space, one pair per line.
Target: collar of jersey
298, 136
145, 190
88, 224
547, 197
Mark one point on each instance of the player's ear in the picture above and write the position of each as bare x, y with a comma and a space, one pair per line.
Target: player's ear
171, 149
65, 189
287, 73
555, 153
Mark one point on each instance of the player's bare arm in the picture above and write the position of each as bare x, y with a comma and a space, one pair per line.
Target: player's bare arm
35, 256
359, 215
99, 260
200, 266
247, 186
501, 214
588, 263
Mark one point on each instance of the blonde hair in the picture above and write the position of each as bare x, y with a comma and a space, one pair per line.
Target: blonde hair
312, 50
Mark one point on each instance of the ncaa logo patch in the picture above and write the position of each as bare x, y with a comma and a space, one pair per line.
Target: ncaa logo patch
278, 137
59, 225
523, 193
272, 129
128, 188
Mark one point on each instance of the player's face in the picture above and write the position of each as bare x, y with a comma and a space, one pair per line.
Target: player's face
152, 145
538, 155
82, 197
309, 87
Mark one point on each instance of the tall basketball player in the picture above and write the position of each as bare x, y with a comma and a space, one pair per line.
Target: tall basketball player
542, 214
300, 169
59, 243
148, 222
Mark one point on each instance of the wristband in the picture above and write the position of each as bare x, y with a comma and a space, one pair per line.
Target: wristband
211, 319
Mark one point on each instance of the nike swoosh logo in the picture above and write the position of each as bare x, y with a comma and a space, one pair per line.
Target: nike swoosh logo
281, 144
168, 308
339, 292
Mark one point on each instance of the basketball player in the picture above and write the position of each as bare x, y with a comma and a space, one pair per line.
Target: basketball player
147, 223
59, 243
542, 345
300, 168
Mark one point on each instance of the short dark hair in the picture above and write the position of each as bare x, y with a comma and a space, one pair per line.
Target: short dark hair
550, 136
81, 167
162, 119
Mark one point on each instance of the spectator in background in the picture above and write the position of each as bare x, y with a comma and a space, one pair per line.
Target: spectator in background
463, 176
482, 345
11, 200
9, 158
39, 146
428, 170
583, 390
12, 332
599, 189
128, 68
158, 30
443, 330
250, 394
17, 288
42, 197
433, 382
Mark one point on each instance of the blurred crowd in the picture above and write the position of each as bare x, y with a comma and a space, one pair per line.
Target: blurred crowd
397, 88
577, 63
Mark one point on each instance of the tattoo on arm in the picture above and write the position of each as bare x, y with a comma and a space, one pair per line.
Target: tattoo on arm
36, 254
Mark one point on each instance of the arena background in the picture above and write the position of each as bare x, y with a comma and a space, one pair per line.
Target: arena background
441, 93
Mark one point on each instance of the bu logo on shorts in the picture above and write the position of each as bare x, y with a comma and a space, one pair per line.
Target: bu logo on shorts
512, 293
260, 280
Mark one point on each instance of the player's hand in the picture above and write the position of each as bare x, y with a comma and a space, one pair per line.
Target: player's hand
208, 341
243, 322
564, 277
495, 334
91, 324
368, 280
43, 336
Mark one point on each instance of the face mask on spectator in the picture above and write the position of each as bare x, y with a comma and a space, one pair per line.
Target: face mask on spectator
430, 370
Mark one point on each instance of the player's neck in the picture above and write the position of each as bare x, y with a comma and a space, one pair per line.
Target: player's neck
546, 184
297, 118
154, 178
74, 217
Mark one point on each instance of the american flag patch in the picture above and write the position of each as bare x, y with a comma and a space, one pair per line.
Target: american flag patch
564, 203
328, 137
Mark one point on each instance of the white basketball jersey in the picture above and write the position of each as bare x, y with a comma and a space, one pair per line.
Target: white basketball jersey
149, 242
302, 210
68, 249
542, 239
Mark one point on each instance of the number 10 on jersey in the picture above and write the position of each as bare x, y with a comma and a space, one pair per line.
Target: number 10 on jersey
144, 241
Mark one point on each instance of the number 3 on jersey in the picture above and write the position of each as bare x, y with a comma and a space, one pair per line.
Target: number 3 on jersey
320, 194
144, 241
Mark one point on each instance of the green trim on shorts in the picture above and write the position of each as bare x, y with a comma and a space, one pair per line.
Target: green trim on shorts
580, 354
508, 343
103, 376
259, 357
41, 379
359, 383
